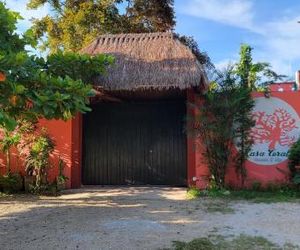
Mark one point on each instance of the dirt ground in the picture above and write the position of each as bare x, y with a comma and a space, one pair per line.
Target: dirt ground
136, 218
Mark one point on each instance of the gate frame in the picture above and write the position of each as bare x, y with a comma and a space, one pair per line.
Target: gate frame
77, 148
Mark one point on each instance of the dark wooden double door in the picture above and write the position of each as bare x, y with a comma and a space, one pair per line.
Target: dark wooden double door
135, 143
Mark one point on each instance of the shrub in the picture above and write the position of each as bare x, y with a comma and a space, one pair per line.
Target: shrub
37, 161
256, 185
61, 179
294, 161
11, 183
223, 119
44, 189
193, 193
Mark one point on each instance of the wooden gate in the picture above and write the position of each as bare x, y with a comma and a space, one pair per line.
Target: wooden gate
135, 143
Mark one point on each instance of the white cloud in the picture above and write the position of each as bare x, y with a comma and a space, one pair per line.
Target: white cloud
278, 41
283, 37
280, 44
20, 6
223, 64
238, 13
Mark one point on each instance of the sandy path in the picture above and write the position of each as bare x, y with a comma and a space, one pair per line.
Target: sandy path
135, 218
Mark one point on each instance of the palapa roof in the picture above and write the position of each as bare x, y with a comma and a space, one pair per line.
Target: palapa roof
147, 61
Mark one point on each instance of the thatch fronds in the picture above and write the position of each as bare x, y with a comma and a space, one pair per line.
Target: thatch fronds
143, 61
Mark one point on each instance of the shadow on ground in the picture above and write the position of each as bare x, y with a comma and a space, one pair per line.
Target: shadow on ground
131, 218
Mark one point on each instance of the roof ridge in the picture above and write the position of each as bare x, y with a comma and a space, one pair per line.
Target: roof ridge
167, 33
131, 37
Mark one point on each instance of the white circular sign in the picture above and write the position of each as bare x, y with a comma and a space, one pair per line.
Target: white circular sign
277, 128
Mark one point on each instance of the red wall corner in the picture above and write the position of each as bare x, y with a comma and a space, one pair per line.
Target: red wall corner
198, 173
191, 156
76, 151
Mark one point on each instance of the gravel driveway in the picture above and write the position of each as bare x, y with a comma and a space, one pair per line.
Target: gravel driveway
136, 218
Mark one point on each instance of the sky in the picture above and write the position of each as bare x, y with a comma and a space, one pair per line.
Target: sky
221, 26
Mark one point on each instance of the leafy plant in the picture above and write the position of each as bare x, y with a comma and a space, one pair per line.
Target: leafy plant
256, 185
294, 162
193, 193
74, 24
57, 87
223, 114
37, 161
7, 140
11, 183
44, 189
254, 75
61, 178
217, 242
224, 117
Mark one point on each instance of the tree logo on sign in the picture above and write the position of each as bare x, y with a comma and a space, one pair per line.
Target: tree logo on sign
274, 128
277, 127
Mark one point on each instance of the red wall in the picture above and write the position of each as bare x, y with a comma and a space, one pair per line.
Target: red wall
61, 132
282, 87
273, 173
198, 172
68, 138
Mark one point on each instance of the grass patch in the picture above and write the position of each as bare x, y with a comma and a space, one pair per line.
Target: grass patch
193, 193
218, 207
4, 194
219, 242
258, 196
267, 196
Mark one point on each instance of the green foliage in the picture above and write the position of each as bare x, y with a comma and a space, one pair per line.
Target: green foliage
225, 115
193, 193
77, 66
61, 178
294, 162
202, 57
150, 15
266, 195
256, 186
254, 75
37, 161
8, 140
199, 244
74, 24
57, 87
249, 76
9, 40
53, 88
222, 116
217, 242
44, 189
11, 183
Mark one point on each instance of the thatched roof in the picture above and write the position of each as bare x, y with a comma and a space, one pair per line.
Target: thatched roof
147, 61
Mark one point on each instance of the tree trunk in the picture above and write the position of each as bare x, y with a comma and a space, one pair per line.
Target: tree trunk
7, 162
38, 178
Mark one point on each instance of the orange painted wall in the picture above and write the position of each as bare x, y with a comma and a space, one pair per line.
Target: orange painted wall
16, 163
61, 132
276, 173
67, 137
198, 172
